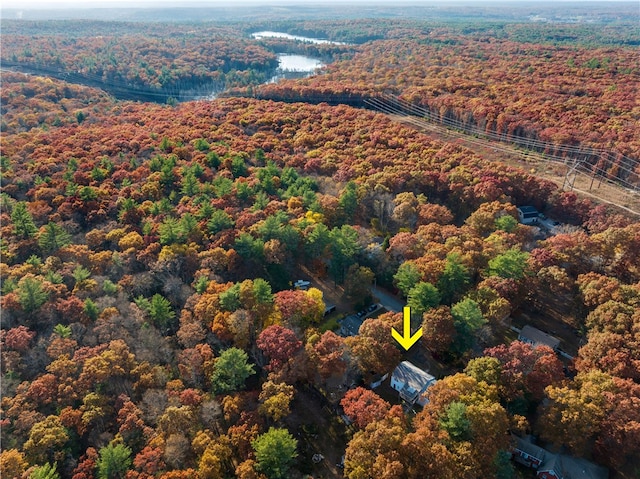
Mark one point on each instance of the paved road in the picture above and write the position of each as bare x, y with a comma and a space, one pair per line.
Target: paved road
388, 300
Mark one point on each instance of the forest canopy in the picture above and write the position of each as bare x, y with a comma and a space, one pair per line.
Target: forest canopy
150, 325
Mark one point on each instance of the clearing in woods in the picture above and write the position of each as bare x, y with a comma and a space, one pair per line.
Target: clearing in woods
536, 163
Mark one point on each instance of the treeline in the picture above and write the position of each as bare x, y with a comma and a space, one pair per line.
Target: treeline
151, 67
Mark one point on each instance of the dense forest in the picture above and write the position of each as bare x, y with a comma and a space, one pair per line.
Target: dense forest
566, 95
150, 324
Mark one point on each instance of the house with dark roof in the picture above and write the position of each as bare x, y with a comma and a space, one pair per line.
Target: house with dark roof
527, 215
350, 325
561, 466
527, 453
411, 382
555, 466
535, 337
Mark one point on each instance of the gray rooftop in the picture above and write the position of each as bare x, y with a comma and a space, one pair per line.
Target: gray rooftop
412, 376
569, 467
534, 336
528, 209
350, 325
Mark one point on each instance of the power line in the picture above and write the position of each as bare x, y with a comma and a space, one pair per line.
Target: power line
623, 163
394, 106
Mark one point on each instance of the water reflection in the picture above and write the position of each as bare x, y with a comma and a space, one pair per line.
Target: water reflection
298, 63
270, 34
289, 65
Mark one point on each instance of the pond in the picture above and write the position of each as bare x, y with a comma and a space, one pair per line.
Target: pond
295, 66
290, 65
298, 63
270, 34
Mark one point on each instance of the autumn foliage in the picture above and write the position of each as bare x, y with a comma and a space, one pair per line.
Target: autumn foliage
149, 252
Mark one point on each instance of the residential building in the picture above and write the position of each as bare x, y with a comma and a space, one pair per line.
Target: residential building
527, 215
411, 382
535, 337
561, 466
528, 454
555, 466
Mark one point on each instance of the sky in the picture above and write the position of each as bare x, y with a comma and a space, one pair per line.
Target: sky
27, 4
58, 4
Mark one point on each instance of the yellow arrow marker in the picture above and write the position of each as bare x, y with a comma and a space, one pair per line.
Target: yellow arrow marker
406, 340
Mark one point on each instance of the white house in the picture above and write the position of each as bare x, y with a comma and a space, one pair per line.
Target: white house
527, 215
411, 382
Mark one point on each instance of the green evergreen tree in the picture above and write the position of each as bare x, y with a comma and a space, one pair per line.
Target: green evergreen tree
200, 284
348, 202
190, 185
143, 303
53, 237
230, 371
213, 160
35, 261
23, 225
62, 331
456, 422
160, 311
205, 210
167, 175
262, 291
467, 320
9, 285
165, 144
80, 273
230, 299
238, 167
344, 249
222, 186
275, 451
506, 223
260, 201
53, 277
170, 231
503, 465
109, 287
201, 144
31, 294
114, 461
46, 471
88, 193
244, 191
260, 157
91, 309
249, 248
126, 205
219, 220
188, 226
317, 241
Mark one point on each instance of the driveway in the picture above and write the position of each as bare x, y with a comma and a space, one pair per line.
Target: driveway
388, 300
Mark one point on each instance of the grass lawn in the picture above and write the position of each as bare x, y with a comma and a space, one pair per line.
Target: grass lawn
330, 323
